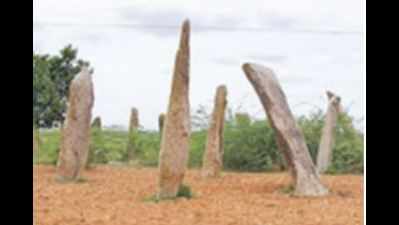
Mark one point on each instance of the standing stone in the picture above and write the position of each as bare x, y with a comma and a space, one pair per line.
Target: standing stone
132, 136
97, 123
289, 138
173, 155
161, 120
213, 157
75, 138
328, 134
134, 119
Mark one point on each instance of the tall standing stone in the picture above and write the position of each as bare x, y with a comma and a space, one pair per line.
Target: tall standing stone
326, 146
213, 156
173, 155
132, 136
75, 138
290, 140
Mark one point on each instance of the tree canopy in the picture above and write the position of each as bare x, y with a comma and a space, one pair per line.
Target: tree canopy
52, 75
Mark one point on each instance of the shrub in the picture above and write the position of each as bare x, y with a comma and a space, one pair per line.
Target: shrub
249, 145
184, 192
197, 148
348, 151
48, 148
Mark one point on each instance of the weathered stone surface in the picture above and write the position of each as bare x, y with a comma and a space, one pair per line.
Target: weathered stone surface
173, 155
132, 136
134, 119
324, 154
161, 121
290, 139
97, 123
213, 156
75, 138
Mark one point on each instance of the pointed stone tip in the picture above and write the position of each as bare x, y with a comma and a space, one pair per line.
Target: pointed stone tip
330, 94
84, 69
186, 24
134, 111
222, 88
250, 67
246, 66
185, 34
186, 28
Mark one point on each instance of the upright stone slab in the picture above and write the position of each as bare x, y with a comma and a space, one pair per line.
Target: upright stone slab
75, 138
213, 156
134, 119
173, 155
326, 146
132, 136
161, 121
290, 139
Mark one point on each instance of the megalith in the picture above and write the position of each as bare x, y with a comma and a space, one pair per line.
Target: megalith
75, 132
290, 139
212, 162
161, 121
324, 155
174, 150
132, 136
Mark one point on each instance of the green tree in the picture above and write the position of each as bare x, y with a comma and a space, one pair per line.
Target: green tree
52, 76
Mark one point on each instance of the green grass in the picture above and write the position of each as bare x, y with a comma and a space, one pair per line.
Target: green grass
184, 192
289, 190
48, 147
249, 146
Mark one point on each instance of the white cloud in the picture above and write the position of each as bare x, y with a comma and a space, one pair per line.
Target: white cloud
133, 65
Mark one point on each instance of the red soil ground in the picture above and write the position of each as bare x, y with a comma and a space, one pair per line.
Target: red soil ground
115, 196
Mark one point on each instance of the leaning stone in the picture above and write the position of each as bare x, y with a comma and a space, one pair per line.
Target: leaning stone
290, 139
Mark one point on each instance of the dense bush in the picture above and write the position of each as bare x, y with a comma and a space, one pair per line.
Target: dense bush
348, 149
249, 145
48, 147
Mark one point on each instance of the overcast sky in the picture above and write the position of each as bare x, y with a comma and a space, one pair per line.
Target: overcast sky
311, 45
